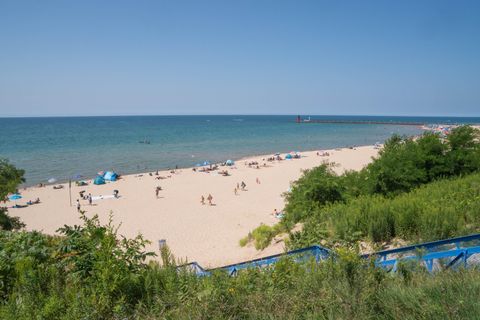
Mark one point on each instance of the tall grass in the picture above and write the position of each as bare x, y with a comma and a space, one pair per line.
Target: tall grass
434, 211
42, 282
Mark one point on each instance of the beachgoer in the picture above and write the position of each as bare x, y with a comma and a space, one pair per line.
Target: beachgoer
243, 185
238, 186
115, 193
275, 212
258, 181
235, 191
78, 205
209, 198
157, 190
202, 200
90, 199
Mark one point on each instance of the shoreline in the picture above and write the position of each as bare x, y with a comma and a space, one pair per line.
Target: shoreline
26, 186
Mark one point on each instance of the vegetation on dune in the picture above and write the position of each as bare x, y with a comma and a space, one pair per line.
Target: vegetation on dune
403, 165
91, 273
437, 210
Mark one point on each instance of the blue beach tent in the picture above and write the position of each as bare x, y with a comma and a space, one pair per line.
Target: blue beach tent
229, 163
110, 176
288, 156
99, 180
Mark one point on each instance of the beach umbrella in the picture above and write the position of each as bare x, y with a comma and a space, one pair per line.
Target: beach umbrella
229, 162
52, 180
14, 197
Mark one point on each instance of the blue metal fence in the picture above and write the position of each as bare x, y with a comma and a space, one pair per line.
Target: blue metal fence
434, 256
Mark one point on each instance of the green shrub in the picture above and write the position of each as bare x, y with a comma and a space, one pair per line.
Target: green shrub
438, 210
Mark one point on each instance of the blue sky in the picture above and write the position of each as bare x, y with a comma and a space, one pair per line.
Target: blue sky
239, 57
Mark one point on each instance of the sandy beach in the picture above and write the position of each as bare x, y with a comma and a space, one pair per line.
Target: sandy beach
207, 234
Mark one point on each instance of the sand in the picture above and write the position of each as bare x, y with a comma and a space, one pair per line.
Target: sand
207, 234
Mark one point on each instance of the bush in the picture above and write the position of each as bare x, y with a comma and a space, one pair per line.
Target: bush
435, 211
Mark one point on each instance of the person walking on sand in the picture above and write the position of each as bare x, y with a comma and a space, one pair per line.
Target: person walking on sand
238, 186
209, 198
258, 181
90, 199
157, 191
202, 200
235, 191
243, 185
78, 205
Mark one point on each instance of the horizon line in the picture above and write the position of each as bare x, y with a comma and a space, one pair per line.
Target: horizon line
227, 114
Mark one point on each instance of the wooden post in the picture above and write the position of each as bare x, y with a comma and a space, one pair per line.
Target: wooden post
70, 190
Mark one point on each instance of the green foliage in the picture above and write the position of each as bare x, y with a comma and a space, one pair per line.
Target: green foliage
90, 273
438, 210
10, 178
262, 236
402, 165
9, 223
313, 190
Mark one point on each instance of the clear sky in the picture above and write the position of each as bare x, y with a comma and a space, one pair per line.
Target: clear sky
239, 57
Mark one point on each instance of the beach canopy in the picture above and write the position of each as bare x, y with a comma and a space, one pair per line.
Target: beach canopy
15, 196
229, 162
288, 156
99, 180
110, 176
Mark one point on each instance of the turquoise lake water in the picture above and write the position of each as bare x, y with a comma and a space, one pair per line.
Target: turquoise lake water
64, 147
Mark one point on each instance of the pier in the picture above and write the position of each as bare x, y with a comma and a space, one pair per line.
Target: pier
338, 121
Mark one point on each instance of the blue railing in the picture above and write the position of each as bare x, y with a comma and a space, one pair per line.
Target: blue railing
314, 252
436, 255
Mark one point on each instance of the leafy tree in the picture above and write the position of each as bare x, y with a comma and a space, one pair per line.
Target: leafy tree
10, 178
464, 153
313, 190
